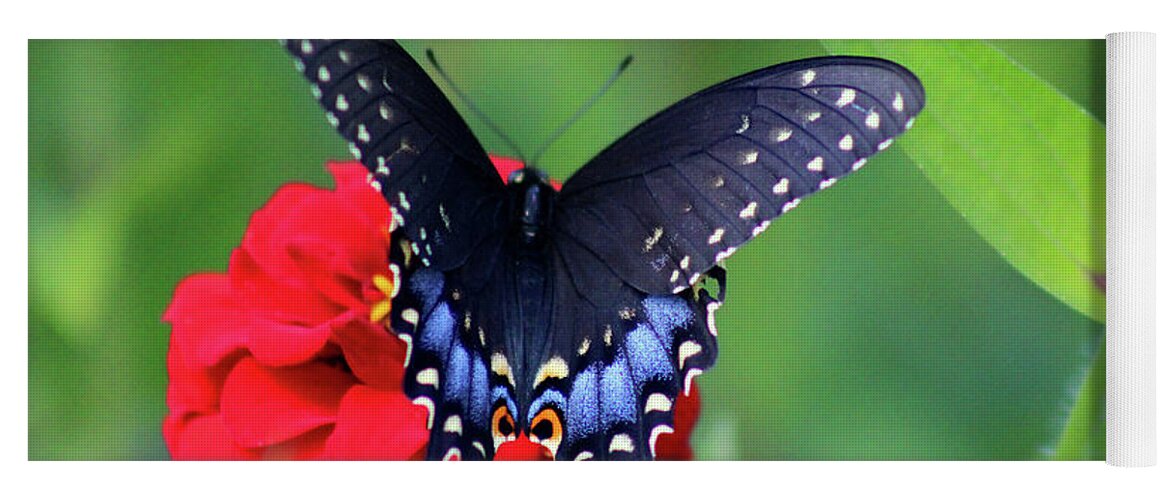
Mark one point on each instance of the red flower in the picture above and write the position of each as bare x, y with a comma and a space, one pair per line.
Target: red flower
287, 356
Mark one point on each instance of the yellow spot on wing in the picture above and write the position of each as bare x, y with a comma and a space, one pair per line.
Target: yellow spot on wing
501, 367
554, 368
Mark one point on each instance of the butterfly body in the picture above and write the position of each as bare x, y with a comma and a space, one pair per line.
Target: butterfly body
576, 317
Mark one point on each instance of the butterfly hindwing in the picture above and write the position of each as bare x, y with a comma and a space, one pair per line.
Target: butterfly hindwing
448, 372
686, 188
628, 354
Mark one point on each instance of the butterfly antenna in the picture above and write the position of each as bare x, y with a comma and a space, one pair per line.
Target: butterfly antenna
584, 107
472, 106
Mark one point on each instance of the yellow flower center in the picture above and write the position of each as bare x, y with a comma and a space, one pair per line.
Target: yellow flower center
389, 287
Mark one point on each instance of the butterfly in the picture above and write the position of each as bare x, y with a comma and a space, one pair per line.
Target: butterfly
576, 317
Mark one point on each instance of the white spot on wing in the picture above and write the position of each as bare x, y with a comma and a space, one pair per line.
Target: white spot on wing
711, 317
726, 253
428, 376
657, 402
384, 111
452, 454
743, 124
674, 275
364, 82
749, 157
363, 134
858, 164
812, 116
816, 164
716, 236
885, 144
692, 373
411, 316
403, 202
782, 134
873, 120
790, 205
454, 425
585, 455
909, 123
683, 264
782, 186
410, 346
621, 442
807, 77
306, 47
323, 73
341, 103
898, 102
687, 349
846, 98
827, 183
760, 229
749, 211
652, 240
847, 143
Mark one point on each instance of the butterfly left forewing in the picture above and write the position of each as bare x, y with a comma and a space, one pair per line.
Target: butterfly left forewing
441, 186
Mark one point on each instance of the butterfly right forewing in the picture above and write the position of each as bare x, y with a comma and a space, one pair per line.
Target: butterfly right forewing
682, 191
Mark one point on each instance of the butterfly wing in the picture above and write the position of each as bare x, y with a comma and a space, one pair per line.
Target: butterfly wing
683, 190
449, 203
421, 155
639, 230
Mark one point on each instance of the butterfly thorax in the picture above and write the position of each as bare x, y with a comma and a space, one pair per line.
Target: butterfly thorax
532, 201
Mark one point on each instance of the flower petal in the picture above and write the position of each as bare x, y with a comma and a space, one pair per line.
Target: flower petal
377, 425
677, 445
373, 355
206, 320
522, 449
264, 406
202, 437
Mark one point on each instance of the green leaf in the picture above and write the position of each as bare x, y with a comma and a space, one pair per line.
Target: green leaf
1023, 163
1084, 437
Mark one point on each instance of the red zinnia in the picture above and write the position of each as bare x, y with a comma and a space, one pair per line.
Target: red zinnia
287, 357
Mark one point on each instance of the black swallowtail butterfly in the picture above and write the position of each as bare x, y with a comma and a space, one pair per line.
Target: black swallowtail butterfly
578, 316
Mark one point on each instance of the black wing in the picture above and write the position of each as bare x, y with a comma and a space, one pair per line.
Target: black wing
421, 155
655, 212
682, 191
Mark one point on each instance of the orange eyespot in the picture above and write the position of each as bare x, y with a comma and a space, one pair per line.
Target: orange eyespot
547, 429
503, 426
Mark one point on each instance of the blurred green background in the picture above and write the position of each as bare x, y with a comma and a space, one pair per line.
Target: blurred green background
938, 304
